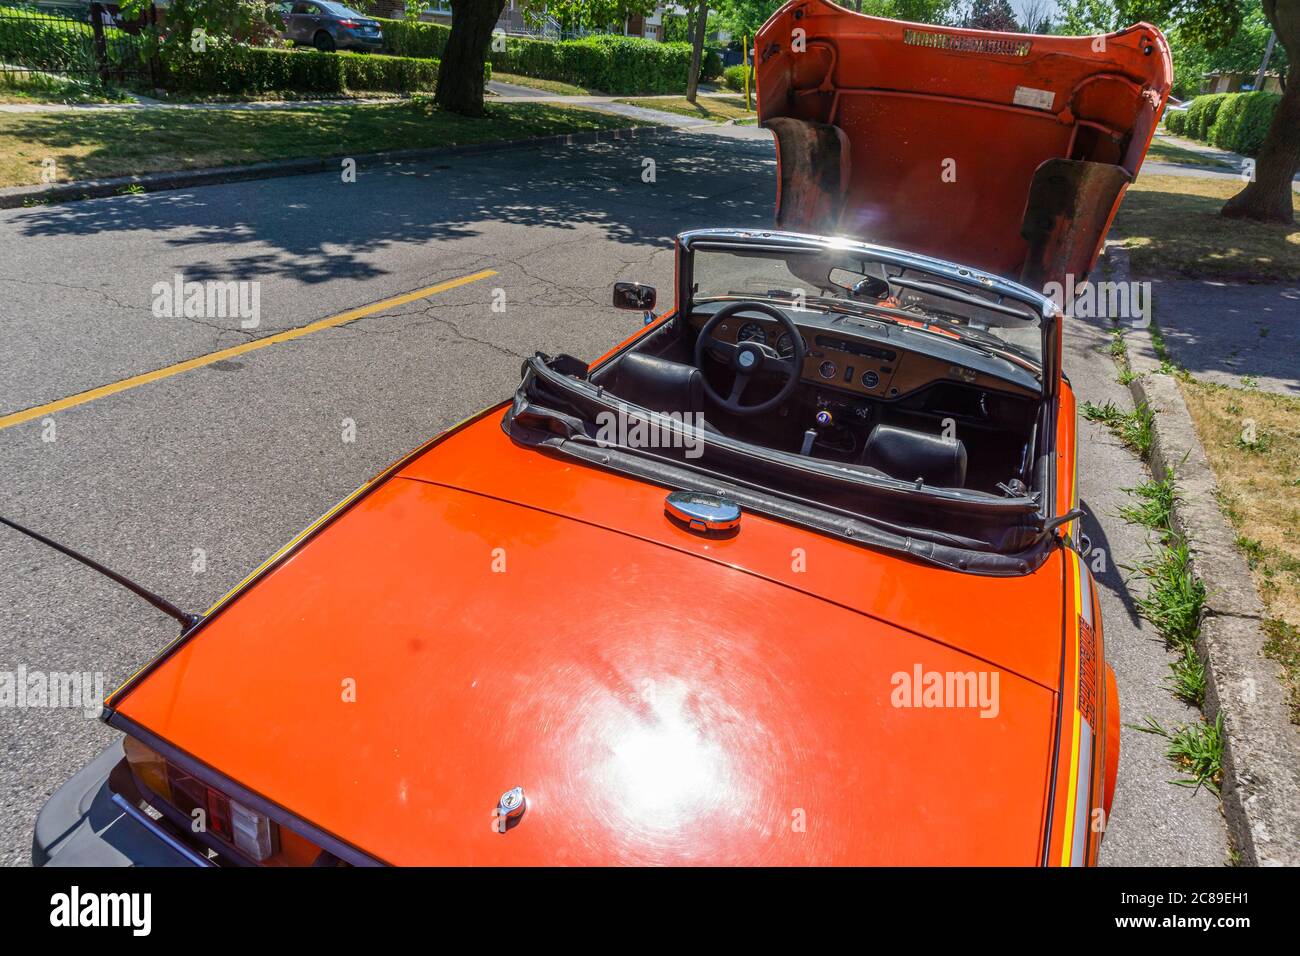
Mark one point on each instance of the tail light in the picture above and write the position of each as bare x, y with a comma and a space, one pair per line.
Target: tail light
255, 835
349, 24
219, 808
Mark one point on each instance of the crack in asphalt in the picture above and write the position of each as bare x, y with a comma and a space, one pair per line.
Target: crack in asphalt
45, 283
130, 307
362, 327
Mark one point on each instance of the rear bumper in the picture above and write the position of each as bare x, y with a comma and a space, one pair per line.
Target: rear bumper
352, 42
83, 825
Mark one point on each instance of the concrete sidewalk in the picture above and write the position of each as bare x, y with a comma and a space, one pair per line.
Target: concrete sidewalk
1225, 332
1205, 149
1234, 160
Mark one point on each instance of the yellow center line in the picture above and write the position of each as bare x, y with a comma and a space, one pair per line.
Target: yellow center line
17, 418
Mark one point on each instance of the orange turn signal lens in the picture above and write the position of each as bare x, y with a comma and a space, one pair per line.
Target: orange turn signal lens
148, 766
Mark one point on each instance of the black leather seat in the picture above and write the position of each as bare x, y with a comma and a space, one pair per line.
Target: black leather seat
908, 455
656, 383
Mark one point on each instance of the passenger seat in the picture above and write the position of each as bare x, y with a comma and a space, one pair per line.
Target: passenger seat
656, 383
908, 455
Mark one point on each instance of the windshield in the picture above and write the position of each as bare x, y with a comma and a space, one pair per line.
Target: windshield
848, 281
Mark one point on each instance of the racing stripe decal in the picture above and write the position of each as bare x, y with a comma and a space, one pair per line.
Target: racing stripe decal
1081, 806
1085, 592
1078, 690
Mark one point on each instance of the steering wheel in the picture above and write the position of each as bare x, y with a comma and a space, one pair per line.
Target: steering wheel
748, 359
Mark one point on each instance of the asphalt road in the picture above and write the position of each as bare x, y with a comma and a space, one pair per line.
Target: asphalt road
233, 458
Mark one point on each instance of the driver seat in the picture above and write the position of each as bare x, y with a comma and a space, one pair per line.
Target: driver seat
658, 384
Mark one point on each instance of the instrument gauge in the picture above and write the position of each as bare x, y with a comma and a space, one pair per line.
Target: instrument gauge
827, 370
752, 332
785, 345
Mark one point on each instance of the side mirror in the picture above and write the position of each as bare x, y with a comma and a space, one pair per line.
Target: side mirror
634, 296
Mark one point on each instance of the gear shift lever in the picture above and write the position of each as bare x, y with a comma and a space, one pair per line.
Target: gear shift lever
810, 436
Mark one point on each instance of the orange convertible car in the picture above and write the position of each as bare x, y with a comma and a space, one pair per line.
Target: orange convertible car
791, 576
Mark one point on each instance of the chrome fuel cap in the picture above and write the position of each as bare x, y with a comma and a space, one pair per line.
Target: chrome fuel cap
702, 512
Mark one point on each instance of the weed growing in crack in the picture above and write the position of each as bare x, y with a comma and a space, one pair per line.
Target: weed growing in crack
1132, 428
1153, 508
1196, 749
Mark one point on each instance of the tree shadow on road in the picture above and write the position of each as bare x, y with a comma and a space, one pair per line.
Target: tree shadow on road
317, 228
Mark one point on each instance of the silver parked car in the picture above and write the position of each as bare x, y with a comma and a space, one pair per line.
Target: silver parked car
329, 26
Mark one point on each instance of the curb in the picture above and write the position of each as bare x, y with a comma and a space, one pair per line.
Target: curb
13, 197
1261, 747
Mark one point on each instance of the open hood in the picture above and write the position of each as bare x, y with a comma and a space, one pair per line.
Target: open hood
1004, 151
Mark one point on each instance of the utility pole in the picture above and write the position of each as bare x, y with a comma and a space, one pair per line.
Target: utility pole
1263, 66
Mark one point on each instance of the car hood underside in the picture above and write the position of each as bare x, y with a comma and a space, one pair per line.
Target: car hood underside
1003, 151
661, 698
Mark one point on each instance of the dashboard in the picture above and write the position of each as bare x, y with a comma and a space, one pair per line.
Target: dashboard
874, 358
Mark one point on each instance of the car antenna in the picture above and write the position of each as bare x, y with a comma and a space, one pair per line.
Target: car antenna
167, 607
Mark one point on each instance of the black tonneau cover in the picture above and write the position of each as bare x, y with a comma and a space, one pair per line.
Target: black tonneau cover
555, 409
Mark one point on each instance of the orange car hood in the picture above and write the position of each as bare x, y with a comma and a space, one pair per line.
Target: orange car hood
661, 698
1003, 151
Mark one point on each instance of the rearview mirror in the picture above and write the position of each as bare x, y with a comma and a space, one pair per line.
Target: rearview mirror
859, 285
634, 296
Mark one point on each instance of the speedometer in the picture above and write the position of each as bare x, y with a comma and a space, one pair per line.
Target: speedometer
752, 332
785, 345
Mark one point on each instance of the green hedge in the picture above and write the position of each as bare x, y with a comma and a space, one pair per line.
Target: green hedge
1233, 121
618, 65
1201, 113
711, 65
29, 40
1243, 121
404, 38
225, 67
733, 77
236, 69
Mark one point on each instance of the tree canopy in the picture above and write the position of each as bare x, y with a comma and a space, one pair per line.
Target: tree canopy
991, 15
572, 14
1203, 36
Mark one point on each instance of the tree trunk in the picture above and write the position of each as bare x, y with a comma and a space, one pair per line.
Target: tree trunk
1269, 196
697, 50
460, 75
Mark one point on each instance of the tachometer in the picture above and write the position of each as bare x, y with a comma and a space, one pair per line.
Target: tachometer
752, 332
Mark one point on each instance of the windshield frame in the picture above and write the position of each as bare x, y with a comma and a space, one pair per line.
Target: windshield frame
970, 278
